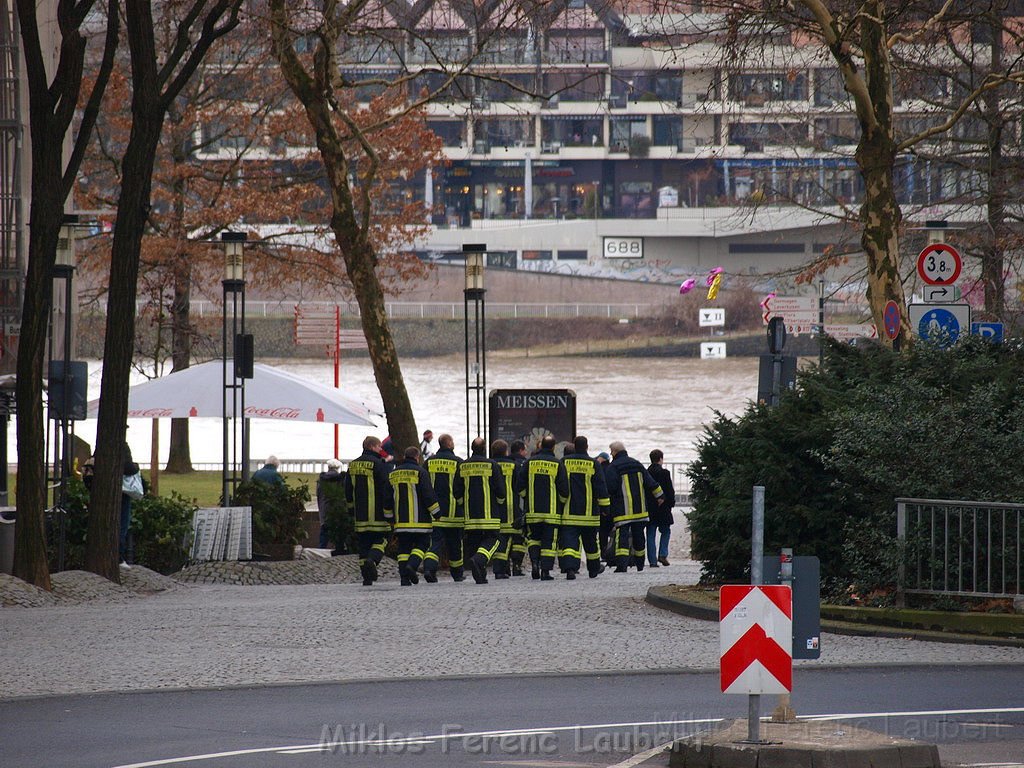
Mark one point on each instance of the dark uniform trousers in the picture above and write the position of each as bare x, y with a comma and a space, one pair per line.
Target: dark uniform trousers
412, 547
541, 545
502, 556
371, 545
445, 540
573, 541
518, 546
483, 545
631, 544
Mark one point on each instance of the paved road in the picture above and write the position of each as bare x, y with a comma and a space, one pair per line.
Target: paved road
209, 636
557, 721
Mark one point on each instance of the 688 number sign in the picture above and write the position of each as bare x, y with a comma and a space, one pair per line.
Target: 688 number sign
939, 264
623, 247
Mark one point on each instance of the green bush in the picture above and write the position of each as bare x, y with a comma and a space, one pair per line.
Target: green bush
277, 517
161, 529
867, 427
76, 526
341, 529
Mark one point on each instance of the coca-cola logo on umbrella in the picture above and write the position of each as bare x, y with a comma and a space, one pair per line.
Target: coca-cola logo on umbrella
272, 413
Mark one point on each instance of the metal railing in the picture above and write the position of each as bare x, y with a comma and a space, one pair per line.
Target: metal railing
963, 548
441, 310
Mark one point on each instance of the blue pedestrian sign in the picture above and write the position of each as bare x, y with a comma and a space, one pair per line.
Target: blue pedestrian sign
940, 324
990, 331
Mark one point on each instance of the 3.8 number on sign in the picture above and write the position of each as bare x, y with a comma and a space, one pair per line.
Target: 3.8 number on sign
939, 264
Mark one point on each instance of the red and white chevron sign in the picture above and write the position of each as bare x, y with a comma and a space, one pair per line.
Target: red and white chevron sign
756, 639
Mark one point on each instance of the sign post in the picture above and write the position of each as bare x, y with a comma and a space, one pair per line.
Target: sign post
323, 328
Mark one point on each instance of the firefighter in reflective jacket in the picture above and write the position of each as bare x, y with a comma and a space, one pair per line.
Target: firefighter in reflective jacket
631, 480
581, 517
481, 486
366, 489
543, 484
412, 501
511, 524
517, 450
446, 538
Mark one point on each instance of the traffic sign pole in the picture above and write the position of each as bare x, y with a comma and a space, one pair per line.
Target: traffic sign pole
756, 578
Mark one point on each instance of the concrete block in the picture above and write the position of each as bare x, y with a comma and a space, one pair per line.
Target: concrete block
919, 756
734, 755
1018, 604
785, 757
690, 752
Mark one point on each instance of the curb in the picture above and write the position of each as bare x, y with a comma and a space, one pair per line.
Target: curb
658, 597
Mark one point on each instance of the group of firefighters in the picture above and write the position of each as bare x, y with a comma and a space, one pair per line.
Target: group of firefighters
491, 511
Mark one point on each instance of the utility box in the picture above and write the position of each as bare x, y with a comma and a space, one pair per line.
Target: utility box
8, 517
806, 584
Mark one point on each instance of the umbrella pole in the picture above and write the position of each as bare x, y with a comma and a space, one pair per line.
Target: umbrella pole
154, 459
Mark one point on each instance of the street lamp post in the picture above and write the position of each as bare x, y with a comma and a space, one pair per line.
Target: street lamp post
60, 410
234, 384
476, 371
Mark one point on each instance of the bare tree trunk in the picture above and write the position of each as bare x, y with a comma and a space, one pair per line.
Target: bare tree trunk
992, 258
52, 108
349, 227
179, 457
876, 154
359, 261
132, 212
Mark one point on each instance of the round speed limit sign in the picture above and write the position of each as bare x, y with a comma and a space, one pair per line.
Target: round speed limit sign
939, 264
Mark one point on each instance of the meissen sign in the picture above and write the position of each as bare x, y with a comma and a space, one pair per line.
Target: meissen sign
530, 414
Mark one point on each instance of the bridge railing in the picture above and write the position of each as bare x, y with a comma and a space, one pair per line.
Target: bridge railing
961, 548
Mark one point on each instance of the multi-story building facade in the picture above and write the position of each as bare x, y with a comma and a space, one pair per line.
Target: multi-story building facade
620, 122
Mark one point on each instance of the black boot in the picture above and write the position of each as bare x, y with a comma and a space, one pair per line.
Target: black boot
570, 575
479, 570
517, 570
546, 576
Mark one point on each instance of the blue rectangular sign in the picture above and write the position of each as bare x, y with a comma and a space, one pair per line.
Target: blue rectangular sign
991, 331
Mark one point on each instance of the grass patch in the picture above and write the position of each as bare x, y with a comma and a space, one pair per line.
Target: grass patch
205, 487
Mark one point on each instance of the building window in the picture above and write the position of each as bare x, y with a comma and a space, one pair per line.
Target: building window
572, 255
565, 131
753, 248
536, 255
451, 132
574, 86
624, 129
502, 132
759, 89
668, 131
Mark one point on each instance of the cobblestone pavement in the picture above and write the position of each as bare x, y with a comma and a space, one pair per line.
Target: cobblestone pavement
205, 635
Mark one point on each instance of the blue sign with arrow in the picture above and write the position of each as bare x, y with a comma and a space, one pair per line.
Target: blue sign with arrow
991, 331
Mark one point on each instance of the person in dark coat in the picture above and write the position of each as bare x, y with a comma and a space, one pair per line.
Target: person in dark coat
268, 473
605, 531
661, 520
332, 477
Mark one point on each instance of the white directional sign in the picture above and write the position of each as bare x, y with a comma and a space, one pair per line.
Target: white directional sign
708, 318
800, 327
801, 310
851, 331
941, 324
712, 350
940, 294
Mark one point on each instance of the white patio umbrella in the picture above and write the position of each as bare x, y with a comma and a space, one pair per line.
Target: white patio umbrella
271, 393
